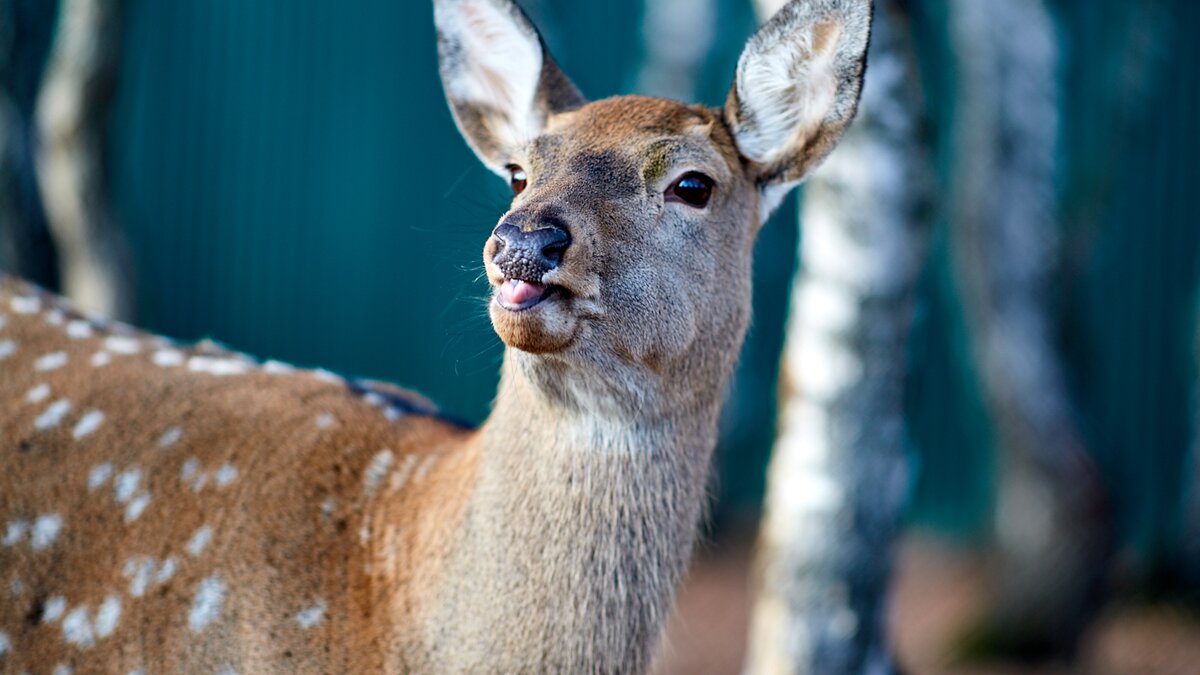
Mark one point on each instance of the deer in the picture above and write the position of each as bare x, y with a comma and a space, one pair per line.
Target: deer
185, 508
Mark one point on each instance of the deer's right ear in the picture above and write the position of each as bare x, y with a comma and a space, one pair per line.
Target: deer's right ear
797, 89
501, 83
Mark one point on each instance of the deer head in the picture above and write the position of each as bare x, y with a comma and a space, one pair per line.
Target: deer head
626, 254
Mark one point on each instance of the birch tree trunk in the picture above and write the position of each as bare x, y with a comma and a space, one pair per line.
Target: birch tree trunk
74, 109
25, 247
838, 474
1051, 531
676, 37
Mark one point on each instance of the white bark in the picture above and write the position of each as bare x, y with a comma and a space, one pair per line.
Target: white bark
72, 121
23, 246
838, 475
676, 37
1051, 538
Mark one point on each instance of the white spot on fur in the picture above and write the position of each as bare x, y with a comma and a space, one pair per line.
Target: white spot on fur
402, 474
79, 330
373, 399
53, 415
199, 541
44, 531
170, 437
108, 616
88, 424
216, 366
126, 484
77, 627
101, 359
38, 394
168, 358
326, 376
15, 532
5, 643
325, 420
26, 305
188, 471
277, 368
54, 609
225, 475
62, 669
55, 317
136, 507
376, 470
206, 607
139, 571
228, 671
311, 616
52, 361
122, 344
328, 506
425, 467
16, 588
166, 570
99, 475
200, 481
7, 349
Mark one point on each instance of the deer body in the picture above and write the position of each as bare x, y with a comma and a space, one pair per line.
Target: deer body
172, 509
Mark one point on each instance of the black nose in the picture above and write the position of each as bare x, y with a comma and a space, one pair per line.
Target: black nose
528, 255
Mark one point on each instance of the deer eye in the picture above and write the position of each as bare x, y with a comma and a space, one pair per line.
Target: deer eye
693, 189
517, 178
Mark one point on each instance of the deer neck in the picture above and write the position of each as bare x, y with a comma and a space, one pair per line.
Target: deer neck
581, 524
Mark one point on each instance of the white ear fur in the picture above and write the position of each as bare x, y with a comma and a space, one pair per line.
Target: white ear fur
789, 86
797, 89
499, 62
501, 84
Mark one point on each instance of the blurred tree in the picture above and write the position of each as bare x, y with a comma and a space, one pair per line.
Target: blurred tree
677, 37
838, 474
73, 115
1052, 526
25, 248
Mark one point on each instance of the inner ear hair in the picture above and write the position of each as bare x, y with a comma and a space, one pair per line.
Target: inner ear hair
500, 82
797, 87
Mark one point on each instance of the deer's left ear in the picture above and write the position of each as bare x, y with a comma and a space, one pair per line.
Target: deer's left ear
501, 83
797, 89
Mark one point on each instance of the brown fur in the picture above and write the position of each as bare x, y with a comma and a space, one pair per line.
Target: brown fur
549, 540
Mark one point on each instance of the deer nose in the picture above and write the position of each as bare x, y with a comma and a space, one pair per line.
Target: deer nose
529, 255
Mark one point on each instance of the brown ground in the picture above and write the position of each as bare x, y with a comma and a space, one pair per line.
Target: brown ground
938, 591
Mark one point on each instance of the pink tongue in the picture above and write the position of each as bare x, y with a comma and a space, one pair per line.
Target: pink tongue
516, 292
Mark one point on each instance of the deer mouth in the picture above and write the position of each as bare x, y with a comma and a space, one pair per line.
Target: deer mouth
518, 295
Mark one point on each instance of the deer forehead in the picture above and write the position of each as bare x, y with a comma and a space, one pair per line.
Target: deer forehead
634, 140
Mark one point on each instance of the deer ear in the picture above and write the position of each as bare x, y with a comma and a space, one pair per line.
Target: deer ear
797, 89
501, 84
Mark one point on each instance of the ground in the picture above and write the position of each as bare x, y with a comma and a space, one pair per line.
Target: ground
937, 591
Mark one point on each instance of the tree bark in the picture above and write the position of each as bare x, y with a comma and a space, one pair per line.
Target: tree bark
1051, 526
838, 476
676, 37
74, 109
25, 246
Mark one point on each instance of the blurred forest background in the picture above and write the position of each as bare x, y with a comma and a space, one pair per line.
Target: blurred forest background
286, 178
